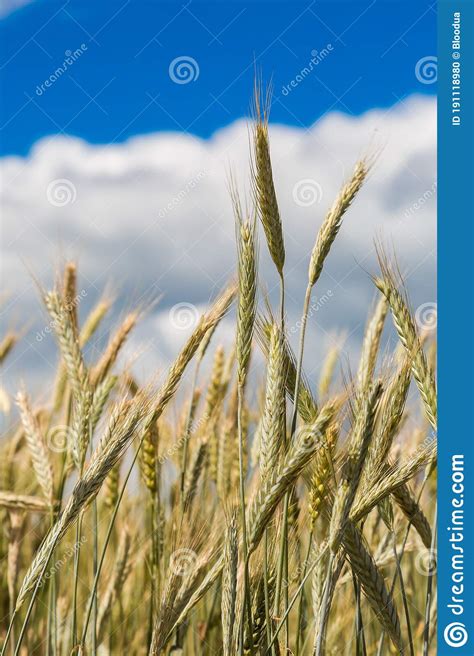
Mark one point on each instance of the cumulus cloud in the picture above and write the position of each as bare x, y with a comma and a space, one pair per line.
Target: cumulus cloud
153, 218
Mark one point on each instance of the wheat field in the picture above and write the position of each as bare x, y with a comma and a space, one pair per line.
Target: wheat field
249, 511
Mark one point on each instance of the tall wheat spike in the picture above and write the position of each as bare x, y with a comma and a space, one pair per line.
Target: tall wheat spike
263, 184
333, 220
246, 308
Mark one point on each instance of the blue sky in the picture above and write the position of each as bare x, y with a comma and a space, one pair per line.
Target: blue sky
110, 172
120, 84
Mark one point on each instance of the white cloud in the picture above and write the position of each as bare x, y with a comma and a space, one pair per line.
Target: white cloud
7, 7
153, 217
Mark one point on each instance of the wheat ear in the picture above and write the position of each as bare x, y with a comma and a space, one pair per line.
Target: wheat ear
17, 502
263, 184
410, 507
68, 342
270, 493
389, 285
393, 406
327, 371
392, 479
229, 588
353, 467
372, 583
123, 427
246, 308
35, 441
307, 406
332, 223
272, 434
320, 478
371, 343
69, 292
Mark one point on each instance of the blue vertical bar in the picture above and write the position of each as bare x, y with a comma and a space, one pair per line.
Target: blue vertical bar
456, 327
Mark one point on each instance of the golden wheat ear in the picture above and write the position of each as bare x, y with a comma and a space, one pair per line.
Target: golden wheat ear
392, 287
262, 180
